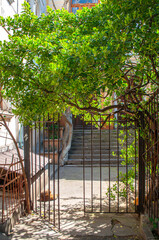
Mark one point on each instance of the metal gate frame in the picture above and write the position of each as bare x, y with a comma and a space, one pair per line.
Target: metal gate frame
37, 163
115, 125
42, 148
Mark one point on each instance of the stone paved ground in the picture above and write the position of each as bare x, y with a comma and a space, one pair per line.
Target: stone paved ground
74, 223
32, 227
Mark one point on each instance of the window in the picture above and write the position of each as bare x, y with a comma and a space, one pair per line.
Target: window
79, 4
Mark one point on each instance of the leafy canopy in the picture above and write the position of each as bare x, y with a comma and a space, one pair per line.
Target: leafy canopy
81, 61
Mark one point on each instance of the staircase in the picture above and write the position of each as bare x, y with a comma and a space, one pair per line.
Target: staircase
98, 147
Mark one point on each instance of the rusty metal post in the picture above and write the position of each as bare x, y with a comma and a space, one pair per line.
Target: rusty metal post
27, 155
141, 149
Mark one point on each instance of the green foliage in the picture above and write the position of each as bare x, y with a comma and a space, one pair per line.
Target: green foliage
128, 154
154, 223
61, 59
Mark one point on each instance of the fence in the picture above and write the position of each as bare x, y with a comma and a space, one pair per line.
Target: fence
42, 151
11, 187
151, 157
110, 155
120, 154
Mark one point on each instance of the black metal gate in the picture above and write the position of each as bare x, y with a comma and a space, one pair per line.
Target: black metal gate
110, 165
151, 158
109, 150
42, 165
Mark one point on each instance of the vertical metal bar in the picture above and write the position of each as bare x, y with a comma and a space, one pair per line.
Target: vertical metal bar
49, 124
13, 172
91, 165
27, 154
3, 204
31, 154
149, 163
8, 202
53, 134
40, 162
34, 172
18, 180
100, 169
157, 120
109, 169
44, 123
141, 166
84, 196
135, 166
126, 165
118, 162
58, 172
155, 158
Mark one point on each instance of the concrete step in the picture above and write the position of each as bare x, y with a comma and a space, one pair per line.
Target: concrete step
94, 146
94, 151
95, 140
95, 156
100, 143
95, 162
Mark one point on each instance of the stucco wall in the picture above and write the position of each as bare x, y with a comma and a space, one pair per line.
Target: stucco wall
7, 9
58, 4
10, 9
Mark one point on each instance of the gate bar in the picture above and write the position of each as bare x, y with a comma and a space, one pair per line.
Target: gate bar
27, 155
141, 166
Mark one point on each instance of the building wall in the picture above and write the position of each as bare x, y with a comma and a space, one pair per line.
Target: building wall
8, 8
38, 6
58, 4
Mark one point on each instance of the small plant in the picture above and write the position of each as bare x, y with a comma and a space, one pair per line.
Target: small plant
125, 183
52, 131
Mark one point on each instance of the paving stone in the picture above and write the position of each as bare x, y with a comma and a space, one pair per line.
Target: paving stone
74, 223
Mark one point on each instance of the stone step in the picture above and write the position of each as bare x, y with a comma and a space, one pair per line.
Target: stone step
80, 156
106, 138
95, 162
94, 151
95, 130
94, 146
100, 143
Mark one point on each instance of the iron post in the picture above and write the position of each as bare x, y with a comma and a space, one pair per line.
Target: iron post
141, 149
27, 155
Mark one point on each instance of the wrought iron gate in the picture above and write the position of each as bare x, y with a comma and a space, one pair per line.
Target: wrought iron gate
110, 153
42, 151
151, 158
110, 165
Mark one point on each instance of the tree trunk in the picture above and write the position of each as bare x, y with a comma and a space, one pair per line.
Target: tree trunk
67, 138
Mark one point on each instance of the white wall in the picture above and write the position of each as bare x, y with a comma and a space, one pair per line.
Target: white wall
59, 4
38, 7
10, 9
7, 9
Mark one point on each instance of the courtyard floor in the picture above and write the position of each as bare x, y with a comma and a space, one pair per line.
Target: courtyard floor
74, 223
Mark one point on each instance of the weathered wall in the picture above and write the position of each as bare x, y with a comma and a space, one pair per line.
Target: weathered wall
8, 8
58, 4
